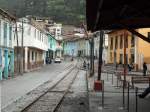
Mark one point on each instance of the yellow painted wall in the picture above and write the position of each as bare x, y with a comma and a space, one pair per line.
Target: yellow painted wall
144, 47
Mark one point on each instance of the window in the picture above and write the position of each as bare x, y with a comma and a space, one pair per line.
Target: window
5, 34
0, 32
10, 32
121, 42
32, 55
36, 56
111, 56
121, 59
116, 42
132, 41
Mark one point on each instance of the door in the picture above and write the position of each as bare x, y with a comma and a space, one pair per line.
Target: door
6, 63
0, 64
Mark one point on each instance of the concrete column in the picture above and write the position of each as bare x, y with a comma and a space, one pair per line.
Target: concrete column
26, 59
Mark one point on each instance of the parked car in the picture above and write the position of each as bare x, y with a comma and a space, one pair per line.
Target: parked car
57, 60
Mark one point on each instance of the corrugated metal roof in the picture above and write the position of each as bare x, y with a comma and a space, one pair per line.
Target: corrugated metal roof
117, 14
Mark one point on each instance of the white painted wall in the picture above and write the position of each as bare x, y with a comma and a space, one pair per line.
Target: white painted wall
57, 29
32, 37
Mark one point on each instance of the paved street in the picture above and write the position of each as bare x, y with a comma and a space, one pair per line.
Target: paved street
14, 88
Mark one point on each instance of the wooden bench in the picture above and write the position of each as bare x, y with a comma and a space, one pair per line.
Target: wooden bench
140, 79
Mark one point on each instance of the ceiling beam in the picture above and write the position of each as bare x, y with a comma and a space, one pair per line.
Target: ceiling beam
139, 35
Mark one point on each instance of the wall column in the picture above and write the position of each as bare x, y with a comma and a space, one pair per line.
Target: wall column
26, 59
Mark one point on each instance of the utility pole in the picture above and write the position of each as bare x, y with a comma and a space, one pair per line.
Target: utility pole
17, 52
92, 56
91, 41
100, 54
22, 49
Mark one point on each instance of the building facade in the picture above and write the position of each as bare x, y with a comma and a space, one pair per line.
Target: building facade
136, 49
33, 41
70, 48
51, 46
6, 48
56, 31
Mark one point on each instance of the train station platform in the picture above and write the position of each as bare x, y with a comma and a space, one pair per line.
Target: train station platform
113, 97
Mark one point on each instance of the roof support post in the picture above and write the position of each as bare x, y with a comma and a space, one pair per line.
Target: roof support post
100, 54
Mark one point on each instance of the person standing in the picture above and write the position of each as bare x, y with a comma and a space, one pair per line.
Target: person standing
144, 69
84, 64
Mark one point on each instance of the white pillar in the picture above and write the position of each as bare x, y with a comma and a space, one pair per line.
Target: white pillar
26, 59
135, 52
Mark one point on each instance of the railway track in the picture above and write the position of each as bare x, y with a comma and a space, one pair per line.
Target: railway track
51, 99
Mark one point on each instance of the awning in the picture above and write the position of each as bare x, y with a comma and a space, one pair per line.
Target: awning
117, 14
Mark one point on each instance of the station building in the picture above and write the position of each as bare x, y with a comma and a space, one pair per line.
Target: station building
137, 50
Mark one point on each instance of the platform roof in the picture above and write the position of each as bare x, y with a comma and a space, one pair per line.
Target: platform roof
117, 14
7, 15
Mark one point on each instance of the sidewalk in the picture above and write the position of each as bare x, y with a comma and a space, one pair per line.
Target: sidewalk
113, 98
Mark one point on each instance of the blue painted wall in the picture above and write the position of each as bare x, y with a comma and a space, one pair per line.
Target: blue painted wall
70, 48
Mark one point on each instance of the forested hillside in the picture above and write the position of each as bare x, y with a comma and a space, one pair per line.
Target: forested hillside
65, 11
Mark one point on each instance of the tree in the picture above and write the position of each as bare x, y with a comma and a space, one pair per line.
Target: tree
65, 11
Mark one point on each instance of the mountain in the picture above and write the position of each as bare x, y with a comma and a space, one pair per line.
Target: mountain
65, 11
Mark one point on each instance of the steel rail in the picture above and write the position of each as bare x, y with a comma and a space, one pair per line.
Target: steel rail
61, 100
33, 102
